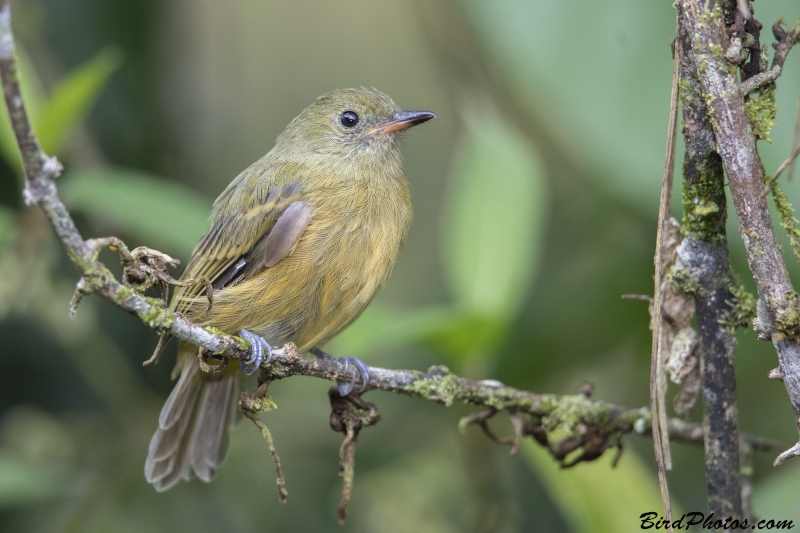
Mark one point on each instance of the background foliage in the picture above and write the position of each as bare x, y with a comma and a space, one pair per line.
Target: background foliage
535, 194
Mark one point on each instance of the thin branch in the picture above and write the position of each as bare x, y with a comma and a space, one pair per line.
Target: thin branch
795, 140
786, 40
283, 494
778, 304
657, 377
787, 163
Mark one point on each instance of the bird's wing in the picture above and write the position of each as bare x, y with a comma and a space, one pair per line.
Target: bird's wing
256, 223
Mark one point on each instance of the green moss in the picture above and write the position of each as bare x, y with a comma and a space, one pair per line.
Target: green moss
503, 398
123, 294
159, 317
214, 331
442, 388
761, 112
570, 411
743, 308
259, 404
685, 92
702, 197
709, 99
716, 50
787, 315
786, 214
682, 281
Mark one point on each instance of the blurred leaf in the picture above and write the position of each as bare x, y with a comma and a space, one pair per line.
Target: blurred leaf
596, 498
428, 492
33, 95
72, 98
460, 335
36, 456
775, 497
24, 482
495, 217
7, 227
158, 213
450, 331
388, 327
603, 93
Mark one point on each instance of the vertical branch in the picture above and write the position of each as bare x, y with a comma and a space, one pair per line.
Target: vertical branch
778, 318
704, 256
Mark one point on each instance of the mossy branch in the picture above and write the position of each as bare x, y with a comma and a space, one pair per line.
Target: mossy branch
786, 40
719, 304
730, 118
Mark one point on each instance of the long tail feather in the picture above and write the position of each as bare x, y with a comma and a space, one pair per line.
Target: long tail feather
192, 435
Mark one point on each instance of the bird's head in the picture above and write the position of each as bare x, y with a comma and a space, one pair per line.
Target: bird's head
356, 129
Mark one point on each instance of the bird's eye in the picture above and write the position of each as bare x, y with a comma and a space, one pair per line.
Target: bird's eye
348, 119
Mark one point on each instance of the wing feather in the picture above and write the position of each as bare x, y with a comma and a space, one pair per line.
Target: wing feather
244, 216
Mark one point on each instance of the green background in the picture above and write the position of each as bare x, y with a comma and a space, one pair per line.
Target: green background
535, 193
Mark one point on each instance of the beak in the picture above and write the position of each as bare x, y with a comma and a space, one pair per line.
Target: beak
403, 120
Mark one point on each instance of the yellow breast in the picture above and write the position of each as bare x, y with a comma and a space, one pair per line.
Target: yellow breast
345, 254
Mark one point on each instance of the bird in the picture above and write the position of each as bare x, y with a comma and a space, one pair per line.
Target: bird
298, 245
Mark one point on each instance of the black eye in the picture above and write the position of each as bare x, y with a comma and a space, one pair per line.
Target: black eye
348, 119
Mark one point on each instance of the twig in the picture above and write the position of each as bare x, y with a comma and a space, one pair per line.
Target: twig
265, 432
737, 148
638, 297
795, 140
787, 163
786, 40
251, 404
657, 378
349, 415
481, 418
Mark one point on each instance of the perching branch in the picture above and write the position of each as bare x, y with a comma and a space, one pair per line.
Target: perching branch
778, 318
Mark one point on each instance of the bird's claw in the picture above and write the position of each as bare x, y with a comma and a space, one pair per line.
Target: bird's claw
257, 348
360, 369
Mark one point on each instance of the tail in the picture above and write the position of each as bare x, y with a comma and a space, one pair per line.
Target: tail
192, 435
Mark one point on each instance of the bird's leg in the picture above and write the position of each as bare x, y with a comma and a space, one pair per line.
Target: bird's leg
360, 368
257, 348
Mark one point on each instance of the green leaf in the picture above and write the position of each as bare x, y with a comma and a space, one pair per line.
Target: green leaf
494, 218
594, 497
8, 227
461, 335
387, 327
609, 116
72, 98
33, 95
450, 331
26, 482
159, 214
53, 118
776, 496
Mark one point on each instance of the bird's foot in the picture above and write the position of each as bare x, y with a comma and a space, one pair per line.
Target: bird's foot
360, 369
258, 347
